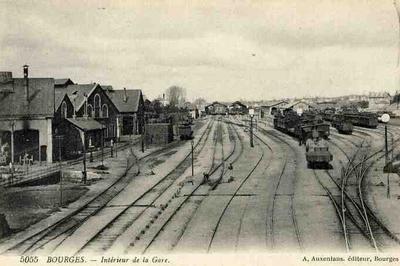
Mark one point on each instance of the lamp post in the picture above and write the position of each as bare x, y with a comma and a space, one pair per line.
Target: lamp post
251, 113
385, 119
112, 148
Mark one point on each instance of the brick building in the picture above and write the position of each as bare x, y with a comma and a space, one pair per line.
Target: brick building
27, 107
130, 107
90, 101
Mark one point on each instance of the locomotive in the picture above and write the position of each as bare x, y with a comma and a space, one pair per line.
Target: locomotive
317, 153
310, 129
342, 124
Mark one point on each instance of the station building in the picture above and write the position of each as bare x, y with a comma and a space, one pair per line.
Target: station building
216, 108
27, 107
238, 108
130, 108
272, 107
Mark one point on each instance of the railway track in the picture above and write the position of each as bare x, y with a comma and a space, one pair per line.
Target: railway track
271, 225
235, 193
192, 211
108, 234
68, 224
182, 200
352, 204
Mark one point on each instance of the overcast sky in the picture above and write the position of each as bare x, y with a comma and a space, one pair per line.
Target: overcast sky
222, 51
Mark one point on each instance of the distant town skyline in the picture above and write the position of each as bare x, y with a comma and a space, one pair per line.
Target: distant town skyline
219, 51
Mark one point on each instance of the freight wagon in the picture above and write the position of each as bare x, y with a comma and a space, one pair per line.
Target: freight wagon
342, 124
362, 119
185, 131
310, 129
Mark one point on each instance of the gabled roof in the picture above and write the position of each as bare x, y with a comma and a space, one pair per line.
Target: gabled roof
291, 105
41, 98
272, 104
63, 82
86, 124
126, 101
77, 92
239, 103
214, 103
58, 98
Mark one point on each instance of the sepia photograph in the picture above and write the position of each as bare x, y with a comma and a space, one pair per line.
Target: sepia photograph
254, 132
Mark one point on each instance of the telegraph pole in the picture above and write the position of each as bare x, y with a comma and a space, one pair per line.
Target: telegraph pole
59, 138
102, 148
84, 176
192, 142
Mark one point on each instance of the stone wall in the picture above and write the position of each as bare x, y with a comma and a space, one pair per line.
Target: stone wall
159, 133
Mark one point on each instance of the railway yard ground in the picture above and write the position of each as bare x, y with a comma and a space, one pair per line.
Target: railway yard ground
239, 198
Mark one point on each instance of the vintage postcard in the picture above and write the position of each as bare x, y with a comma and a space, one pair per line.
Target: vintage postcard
256, 132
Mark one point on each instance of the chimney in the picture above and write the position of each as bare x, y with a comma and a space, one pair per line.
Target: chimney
125, 96
26, 82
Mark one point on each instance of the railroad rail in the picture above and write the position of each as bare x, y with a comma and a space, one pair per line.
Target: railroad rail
180, 205
170, 179
73, 220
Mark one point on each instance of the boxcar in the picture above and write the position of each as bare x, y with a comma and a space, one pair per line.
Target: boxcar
185, 131
363, 119
342, 124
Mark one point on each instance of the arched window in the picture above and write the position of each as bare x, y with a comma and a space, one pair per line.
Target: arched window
97, 105
105, 110
90, 110
64, 110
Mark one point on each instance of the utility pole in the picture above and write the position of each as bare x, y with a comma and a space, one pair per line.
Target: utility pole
12, 141
143, 132
102, 148
192, 142
84, 177
59, 138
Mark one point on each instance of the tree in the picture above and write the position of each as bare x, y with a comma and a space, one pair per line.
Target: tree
176, 96
157, 106
199, 102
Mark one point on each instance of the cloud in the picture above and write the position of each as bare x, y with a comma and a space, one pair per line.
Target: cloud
216, 50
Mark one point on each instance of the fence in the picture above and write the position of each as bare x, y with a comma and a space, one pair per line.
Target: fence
8, 179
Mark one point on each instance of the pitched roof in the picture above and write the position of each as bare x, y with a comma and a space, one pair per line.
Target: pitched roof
77, 93
274, 103
58, 98
130, 104
41, 98
86, 124
63, 82
216, 103
239, 103
291, 105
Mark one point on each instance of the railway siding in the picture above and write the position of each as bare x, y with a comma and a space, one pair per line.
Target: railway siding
311, 205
